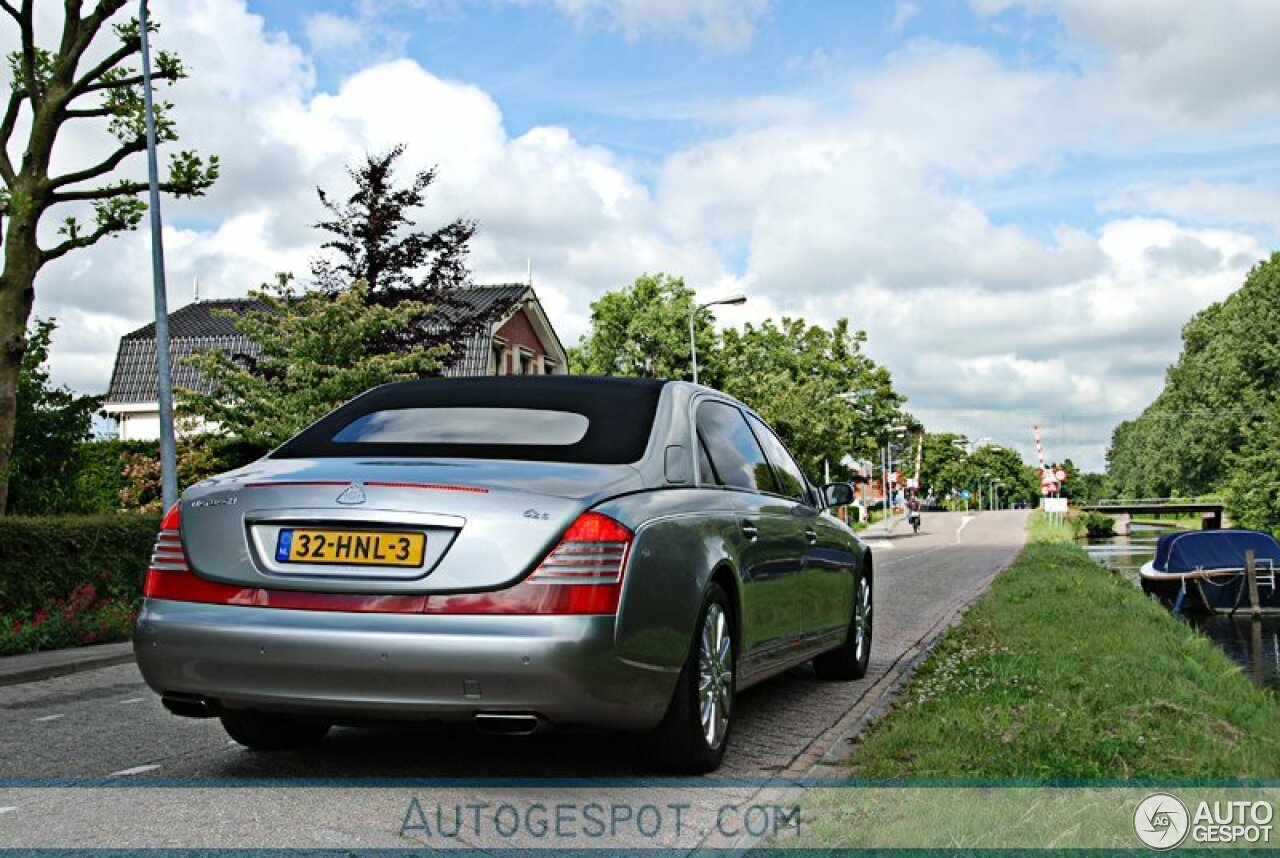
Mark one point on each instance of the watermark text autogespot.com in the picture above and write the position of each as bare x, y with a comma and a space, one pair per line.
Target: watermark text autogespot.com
564, 821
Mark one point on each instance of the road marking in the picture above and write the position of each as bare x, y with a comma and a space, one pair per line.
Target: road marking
7, 809
879, 543
50, 718
964, 521
136, 770
134, 700
898, 560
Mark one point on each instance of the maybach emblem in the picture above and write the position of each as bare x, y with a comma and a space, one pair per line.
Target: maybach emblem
352, 495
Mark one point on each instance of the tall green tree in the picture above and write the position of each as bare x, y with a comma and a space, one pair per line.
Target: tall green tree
375, 239
642, 330
1212, 427
941, 471
51, 88
317, 352
826, 398
52, 422
1019, 481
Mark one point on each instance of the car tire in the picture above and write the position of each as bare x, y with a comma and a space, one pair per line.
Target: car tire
687, 742
263, 731
850, 659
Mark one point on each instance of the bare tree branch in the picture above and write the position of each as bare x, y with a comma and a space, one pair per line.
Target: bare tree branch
100, 169
6, 131
96, 113
72, 243
13, 12
70, 28
85, 82
120, 189
28, 51
86, 30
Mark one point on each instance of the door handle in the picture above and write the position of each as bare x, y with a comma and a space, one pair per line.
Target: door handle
750, 531
811, 535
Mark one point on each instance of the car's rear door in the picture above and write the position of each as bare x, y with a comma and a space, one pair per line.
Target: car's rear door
772, 545
825, 583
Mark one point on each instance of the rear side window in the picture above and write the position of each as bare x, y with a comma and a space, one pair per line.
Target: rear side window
736, 457
789, 474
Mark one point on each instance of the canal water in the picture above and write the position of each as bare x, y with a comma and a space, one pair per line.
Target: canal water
1255, 646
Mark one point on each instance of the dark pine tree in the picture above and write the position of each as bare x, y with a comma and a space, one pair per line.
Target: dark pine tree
375, 238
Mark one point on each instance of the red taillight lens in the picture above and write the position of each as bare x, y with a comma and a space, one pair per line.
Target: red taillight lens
168, 557
592, 551
581, 575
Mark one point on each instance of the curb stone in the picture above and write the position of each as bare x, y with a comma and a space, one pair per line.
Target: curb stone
35, 666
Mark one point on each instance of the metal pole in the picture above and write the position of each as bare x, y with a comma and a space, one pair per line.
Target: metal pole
164, 378
884, 482
693, 344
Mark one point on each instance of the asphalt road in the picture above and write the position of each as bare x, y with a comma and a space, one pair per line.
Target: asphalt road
107, 724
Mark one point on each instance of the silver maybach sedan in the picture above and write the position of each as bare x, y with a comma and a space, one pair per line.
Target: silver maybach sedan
518, 552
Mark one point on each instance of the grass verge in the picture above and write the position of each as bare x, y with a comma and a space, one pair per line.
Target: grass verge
1065, 670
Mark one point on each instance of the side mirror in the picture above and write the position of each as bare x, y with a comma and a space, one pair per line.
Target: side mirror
837, 494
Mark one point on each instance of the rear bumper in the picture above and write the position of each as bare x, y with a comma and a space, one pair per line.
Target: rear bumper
399, 666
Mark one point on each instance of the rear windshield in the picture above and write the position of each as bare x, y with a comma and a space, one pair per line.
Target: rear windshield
543, 418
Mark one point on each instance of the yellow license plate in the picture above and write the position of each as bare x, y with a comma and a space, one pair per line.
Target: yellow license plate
351, 547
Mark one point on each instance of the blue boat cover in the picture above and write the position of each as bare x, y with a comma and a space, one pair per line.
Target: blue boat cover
1213, 549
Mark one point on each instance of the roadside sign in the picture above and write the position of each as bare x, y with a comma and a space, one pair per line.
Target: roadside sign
1054, 504
1060, 474
965, 494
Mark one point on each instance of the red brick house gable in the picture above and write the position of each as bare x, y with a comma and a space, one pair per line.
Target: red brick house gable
524, 343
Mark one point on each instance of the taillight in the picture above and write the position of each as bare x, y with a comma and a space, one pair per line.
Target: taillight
167, 557
581, 575
592, 551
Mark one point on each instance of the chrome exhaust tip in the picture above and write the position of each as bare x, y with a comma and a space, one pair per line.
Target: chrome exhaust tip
506, 723
190, 706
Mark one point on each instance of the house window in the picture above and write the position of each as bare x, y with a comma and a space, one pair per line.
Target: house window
526, 362
498, 348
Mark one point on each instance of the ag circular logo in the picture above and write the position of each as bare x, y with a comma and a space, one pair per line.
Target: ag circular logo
1161, 821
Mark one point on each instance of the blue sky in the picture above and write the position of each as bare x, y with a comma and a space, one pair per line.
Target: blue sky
1020, 201
642, 95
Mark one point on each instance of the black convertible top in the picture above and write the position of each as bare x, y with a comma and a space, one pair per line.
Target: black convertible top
619, 411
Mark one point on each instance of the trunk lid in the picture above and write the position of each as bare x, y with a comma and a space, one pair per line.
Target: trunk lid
474, 524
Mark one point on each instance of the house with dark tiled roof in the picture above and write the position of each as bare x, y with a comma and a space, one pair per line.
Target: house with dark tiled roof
518, 340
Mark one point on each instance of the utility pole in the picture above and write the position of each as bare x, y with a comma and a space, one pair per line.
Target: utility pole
164, 376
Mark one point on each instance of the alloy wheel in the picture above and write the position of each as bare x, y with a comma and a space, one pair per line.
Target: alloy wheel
715, 675
861, 618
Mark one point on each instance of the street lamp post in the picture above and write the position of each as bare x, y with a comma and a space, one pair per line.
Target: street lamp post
164, 379
889, 484
693, 343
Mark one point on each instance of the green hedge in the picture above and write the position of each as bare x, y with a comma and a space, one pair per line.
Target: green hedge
46, 558
99, 473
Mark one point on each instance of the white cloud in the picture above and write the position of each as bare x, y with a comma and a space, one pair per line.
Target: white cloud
903, 13
725, 24
328, 32
1199, 200
1207, 59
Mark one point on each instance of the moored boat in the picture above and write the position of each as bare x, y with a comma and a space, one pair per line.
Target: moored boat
1205, 570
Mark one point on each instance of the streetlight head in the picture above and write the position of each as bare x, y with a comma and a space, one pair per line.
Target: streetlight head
733, 299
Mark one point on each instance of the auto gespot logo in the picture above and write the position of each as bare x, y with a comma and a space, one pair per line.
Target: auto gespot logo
1162, 821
